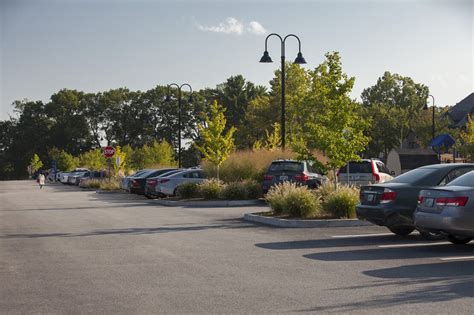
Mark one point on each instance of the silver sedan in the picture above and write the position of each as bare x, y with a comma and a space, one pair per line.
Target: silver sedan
448, 210
167, 185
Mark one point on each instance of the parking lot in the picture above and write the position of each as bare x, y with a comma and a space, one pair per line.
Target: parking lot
63, 249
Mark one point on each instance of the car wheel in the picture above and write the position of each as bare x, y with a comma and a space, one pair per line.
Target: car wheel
458, 240
149, 196
401, 230
175, 192
430, 236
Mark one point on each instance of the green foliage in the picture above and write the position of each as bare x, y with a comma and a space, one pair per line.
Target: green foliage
254, 188
324, 190
66, 161
93, 159
342, 202
216, 145
189, 190
293, 200
122, 157
235, 191
333, 123
211, 188
273, 140
93, 183
466, 145
35, 163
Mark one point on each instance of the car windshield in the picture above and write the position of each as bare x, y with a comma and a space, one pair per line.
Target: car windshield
285, 167
413, 175
464, 180
357, 167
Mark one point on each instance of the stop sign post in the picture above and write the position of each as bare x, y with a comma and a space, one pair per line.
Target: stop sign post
108, 153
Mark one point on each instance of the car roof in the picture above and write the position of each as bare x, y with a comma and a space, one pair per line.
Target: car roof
447, 165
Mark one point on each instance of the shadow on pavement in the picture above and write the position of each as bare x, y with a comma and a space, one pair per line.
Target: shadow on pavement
342, 242
422, 283
434, 250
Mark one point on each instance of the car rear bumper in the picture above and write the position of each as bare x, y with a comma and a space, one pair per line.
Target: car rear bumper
385, 215
450, 221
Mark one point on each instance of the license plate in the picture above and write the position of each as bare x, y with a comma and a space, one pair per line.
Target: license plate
283, 177
370, 197
429, 202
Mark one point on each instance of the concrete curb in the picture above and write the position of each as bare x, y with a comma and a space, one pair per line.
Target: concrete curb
100, 191
285, 223
209, 203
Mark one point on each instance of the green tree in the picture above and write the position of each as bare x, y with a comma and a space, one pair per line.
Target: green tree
66, 161
332, 123
273, 140
118, 161
35, 163
159, 153
216, 144
93, 159
466, 145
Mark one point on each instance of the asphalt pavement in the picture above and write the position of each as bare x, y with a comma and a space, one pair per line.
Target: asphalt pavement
65, 250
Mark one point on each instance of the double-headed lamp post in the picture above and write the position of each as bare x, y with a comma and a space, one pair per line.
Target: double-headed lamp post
433, 121
299, 60
168, 99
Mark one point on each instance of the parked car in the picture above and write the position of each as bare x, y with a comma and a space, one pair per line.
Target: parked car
300, 172
392, 204
137, 183
150, 185
126, 180
364, 172
63, 177
167, 185
448, 210
90, 176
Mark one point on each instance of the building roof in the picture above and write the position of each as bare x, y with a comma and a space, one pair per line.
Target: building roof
459, 112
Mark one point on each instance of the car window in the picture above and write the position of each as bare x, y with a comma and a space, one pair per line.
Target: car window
357, 167
276, 167
413, 175
454, 174
382, 168
464, 180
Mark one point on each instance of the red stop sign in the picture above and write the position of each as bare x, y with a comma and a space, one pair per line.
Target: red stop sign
109, 152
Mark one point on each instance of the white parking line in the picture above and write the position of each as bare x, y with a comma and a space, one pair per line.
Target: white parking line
413, 245
361, 235
457, 258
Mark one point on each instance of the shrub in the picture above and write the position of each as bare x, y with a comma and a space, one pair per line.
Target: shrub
323, 191
110, 184
188, 190
235, 191
211, 188
93, 183
254, 189
342, 202
290, 199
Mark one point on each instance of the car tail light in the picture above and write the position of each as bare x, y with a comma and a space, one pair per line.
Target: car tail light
388, 196
267, 177
375, 175
420, 200
135, 183
452, 201
302, 177
152, 182
164, 181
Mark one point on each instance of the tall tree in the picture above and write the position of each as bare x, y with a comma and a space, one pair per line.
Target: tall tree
216, 143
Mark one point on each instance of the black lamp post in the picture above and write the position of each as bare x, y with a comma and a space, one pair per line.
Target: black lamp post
433, 121
168, 98
299, 60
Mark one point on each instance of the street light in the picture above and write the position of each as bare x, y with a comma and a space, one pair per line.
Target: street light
168, 99
299, 60
433, 121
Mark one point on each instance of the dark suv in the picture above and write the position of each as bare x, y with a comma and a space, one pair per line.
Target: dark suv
300, 172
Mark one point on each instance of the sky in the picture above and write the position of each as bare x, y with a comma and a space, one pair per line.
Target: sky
92, 46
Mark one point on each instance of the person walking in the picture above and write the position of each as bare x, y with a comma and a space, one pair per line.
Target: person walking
41, 180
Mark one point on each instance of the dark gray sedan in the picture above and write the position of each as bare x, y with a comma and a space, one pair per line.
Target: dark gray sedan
448, 210
392, 204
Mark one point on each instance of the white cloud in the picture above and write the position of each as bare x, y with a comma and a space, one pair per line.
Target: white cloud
256, 28
233, 26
